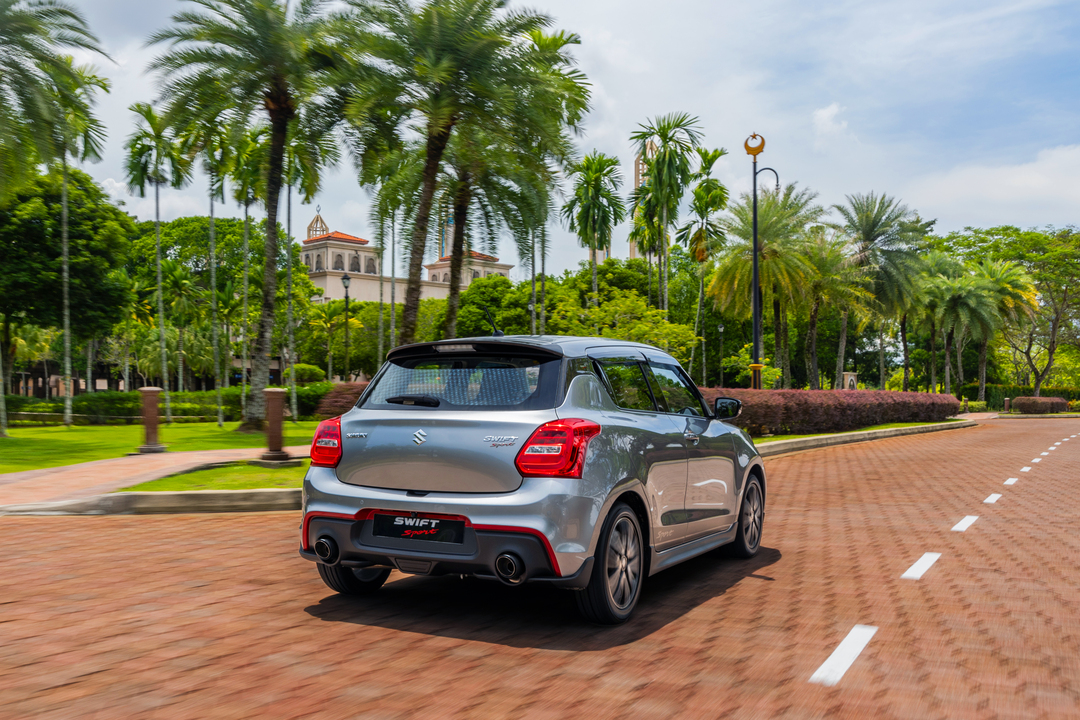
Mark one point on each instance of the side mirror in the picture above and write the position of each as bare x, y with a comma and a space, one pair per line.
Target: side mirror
727, 408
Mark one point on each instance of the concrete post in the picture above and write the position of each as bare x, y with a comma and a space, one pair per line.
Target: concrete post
1007, 405
150, 420
275, 405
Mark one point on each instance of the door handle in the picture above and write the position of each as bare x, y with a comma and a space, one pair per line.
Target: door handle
691, 437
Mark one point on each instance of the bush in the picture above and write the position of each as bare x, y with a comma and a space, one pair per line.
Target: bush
340, 400
974, 406
802, 412
1074, 406
1040, 405
996, 394
306, 374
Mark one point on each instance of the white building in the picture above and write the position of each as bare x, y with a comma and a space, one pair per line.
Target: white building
330, 255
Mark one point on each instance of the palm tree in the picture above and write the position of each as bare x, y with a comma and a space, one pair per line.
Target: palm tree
37, 81
876, 226
834, 280
594, 207
261, 58
155, 157
936, 265
967, 304
1014, 297
784, 218
184, 300
437, 66
666, 144
703, 234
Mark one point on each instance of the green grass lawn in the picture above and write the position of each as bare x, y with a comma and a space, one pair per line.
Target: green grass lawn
886, 426
234, 477
33, 448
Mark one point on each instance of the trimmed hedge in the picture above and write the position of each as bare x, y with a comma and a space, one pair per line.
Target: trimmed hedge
803, 412
996, 394
340, 399
105, 407
1040, 405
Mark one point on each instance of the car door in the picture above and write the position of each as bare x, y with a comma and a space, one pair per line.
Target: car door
650, 436
711, 498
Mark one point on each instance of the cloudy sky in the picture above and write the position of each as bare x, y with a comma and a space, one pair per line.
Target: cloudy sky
968, 110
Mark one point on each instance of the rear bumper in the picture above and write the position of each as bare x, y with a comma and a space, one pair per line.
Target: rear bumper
476, 556
549, 523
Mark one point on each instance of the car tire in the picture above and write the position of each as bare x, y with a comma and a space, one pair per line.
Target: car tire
751, 521
353, 581
617, 575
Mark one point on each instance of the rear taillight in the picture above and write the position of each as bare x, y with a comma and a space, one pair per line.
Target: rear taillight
326, 445
557, 448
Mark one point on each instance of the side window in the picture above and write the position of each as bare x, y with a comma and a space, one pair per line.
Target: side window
628, 385
678, 394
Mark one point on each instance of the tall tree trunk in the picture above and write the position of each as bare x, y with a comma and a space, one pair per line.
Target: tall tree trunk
462, 198
785, 348
290, 330
329, 355
214, 330
697, 326
3, 401
664, 261
648, 286
903, 341
435, 147
67, 290
393, 281
811, 345
179, 358
595, 287
161, 303
279, 125
841, 350
246, 318
960, 361
982, 369
881, 355
778, 344
948, 363
933, 357
543, 280
90, 365
532, 272
127, 356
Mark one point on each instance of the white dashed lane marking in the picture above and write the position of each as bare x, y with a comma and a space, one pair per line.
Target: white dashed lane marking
1025, 469
1036, 460
992, 499
965, 523
1011, 481
920, 567
833, 669
1042, 454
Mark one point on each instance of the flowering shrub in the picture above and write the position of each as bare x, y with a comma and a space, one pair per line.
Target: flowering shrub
1040, 405
340, 399
801, 412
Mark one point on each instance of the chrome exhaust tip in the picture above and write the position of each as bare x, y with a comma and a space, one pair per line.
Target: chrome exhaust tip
510, 569
326, 550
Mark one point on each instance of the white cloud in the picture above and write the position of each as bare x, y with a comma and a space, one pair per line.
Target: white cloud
827, 128
1045, 191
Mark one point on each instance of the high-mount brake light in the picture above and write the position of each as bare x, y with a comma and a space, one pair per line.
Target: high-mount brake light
557, 448
326, 445
454, 348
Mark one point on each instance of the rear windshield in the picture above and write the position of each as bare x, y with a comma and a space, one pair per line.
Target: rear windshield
474, 382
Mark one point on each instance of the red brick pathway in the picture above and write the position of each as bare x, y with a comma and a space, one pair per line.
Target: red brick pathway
217, 617
69, 482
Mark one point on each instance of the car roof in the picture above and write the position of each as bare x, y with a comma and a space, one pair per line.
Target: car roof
565, 345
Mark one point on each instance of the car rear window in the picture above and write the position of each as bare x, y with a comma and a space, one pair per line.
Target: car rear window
473, 382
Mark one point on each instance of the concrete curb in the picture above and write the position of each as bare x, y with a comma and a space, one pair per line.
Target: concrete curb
272, 499
783, 447
1056, 416
149, 503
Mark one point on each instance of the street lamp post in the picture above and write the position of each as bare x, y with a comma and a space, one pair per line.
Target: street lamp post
721, 329
755, 287
345, 280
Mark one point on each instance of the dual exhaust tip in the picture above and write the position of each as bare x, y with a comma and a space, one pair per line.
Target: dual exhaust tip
508, 567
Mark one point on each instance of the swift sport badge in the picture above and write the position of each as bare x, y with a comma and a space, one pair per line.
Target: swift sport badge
501, 440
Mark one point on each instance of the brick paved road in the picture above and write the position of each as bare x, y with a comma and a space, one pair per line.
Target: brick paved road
216, 616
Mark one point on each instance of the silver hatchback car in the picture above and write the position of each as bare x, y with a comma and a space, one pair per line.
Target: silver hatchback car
586, 463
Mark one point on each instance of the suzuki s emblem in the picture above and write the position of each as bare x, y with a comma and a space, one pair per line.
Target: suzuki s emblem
419, 437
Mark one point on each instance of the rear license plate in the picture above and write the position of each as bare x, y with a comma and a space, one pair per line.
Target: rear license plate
417, 528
